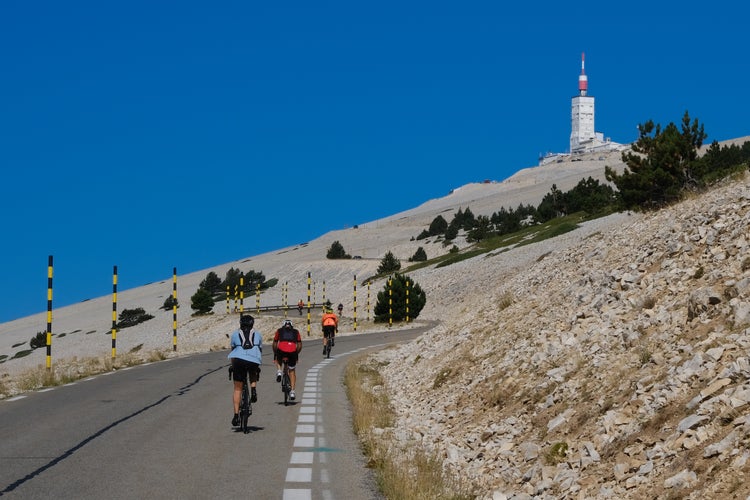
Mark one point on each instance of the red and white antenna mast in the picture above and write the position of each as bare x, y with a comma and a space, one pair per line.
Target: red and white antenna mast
583, 81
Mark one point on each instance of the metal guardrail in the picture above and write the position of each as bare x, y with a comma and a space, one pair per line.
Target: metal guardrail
249, 309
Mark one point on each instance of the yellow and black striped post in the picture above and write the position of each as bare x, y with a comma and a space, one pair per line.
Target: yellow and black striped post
174, 308
390, 302
308, 304
324, 292
315, 286
355, 303
236, 297
407, 301
49, 313
227, 299
285, 298
114, 312
257, 298
368, 300
242, 293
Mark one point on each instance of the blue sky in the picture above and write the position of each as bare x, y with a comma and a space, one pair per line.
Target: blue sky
153, 135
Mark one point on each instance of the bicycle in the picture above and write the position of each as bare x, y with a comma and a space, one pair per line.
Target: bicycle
327, 347
286, 382
246, 408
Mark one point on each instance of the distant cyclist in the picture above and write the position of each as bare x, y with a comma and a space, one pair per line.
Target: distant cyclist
246, 359
300, 305
287, 343
341, 309
330, 324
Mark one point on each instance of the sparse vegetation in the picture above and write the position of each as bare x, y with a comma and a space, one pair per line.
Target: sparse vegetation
410, 474
557, 453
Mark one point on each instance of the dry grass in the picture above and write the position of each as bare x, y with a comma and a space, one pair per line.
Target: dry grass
402, 474
68, 371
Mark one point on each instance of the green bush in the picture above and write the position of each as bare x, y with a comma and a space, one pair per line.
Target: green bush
169, 303
131, 317
419, 256
38, 340
393, 305
202, 302
337, 251
389, 264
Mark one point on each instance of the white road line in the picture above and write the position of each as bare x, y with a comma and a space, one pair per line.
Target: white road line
299, 475
294, 494
302, 457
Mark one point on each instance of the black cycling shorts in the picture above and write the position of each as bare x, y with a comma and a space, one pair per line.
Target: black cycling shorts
291, 357
329, 331
242, 369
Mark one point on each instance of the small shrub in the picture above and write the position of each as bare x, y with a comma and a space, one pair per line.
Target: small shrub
649, 302
505, 301
202, 302
131, 317
644, 357
699, 273
746, 263
441, 378
169, 303
38, 340
22, 354
557, 453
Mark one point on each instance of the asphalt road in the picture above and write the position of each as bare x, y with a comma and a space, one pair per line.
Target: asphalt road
163, 430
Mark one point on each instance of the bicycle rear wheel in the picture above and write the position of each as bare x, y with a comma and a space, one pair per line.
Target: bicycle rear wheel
245, 409
286, 386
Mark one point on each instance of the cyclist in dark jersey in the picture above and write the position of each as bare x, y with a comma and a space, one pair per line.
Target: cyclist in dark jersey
287, 343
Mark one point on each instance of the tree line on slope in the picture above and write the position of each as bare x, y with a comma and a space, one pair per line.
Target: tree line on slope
662, 166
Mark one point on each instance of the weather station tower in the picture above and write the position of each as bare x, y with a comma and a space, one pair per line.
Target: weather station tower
582, 135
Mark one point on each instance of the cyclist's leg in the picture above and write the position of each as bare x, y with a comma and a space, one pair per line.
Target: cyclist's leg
239, 373
292, 370
253, 374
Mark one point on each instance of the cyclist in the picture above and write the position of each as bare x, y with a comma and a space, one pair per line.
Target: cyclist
287, 343
341, 309
300, 305
330, 324
246, 344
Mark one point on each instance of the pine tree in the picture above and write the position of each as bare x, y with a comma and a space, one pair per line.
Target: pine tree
393, 305
389, 264
337, 251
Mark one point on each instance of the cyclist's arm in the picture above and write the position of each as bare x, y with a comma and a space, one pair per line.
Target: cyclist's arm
299, 342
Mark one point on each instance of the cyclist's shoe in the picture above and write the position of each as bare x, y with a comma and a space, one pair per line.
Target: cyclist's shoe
253, 395
236, 420
333, 342
278, 375
291, 395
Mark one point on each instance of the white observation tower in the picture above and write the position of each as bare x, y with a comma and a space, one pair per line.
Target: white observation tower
582, 135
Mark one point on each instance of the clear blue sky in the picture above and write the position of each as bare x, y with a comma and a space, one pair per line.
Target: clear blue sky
153, 135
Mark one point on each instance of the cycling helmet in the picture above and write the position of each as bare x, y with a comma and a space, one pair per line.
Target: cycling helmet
247, 321
287, 323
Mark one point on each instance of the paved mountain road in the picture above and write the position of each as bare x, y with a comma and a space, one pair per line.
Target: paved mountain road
163, 430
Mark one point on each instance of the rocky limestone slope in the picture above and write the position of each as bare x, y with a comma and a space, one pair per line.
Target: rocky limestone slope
612, 362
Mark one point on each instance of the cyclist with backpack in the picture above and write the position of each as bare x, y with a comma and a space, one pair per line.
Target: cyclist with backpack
287, 343
330, 325
247, 349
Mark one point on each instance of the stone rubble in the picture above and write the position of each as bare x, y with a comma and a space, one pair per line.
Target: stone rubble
628, 340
